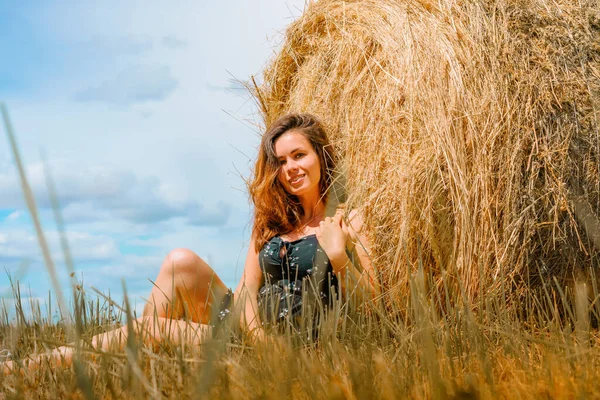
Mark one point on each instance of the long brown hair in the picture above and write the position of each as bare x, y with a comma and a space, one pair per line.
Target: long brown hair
276, 211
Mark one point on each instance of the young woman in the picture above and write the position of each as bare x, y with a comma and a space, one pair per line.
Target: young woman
292, 240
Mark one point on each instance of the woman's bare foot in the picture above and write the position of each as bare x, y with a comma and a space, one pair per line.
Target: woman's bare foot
60, 356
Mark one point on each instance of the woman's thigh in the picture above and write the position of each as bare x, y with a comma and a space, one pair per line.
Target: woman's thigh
186, 287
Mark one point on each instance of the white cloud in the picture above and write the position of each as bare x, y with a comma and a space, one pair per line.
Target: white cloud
201, 216
136, 84
87, 247
83, 211
173, 42
154, 242
14, 216
19, 244
130, 265
100, 191
118, 45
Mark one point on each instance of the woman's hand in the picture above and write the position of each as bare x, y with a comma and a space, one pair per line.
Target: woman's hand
332, 237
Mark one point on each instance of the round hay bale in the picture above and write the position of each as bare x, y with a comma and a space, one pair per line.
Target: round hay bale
468, 132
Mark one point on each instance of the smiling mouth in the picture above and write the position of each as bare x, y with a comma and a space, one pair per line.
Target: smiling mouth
296, 179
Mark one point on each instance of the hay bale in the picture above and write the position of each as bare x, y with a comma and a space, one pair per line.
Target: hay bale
468, 131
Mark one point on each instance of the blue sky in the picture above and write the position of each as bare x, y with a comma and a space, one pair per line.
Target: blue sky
147, 135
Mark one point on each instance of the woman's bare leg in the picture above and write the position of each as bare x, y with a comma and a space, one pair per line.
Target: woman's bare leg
186, 287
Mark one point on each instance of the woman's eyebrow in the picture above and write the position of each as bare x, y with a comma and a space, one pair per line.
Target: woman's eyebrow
292, 152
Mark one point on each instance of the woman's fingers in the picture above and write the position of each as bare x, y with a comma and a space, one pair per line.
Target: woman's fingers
337, 218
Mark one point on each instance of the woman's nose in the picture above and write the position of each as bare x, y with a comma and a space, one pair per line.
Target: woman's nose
291, 165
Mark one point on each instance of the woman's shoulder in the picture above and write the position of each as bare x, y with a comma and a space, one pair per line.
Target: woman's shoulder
356, 220
273, 240
353, 219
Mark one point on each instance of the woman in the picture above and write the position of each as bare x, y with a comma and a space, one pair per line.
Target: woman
292, 240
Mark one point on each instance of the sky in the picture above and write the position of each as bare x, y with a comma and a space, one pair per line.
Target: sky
146, 131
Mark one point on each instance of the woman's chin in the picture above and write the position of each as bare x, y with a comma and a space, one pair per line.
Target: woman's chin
303, 190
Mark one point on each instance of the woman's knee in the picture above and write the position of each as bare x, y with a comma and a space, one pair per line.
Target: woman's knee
181, 262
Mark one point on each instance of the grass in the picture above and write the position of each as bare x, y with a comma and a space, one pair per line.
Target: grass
365, 353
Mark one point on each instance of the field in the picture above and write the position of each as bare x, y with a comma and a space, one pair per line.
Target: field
359, 354
468, 135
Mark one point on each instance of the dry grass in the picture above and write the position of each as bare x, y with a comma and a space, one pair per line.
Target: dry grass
469, 138
457, 354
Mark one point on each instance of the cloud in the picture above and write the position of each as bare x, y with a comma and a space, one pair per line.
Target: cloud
14, 216
82, 212
173, 42
119, 45
130, 265
129, 45
151, 242
19, 245
86, 247
103, 192
132, 85
200, 216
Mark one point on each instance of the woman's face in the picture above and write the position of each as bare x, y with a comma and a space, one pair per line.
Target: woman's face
299, 166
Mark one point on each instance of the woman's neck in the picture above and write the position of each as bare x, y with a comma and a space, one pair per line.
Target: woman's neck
313, 207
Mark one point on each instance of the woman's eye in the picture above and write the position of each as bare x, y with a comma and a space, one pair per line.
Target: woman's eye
299, 155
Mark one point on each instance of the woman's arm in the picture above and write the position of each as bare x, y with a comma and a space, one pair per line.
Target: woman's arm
361, 276
246, 292
335, 236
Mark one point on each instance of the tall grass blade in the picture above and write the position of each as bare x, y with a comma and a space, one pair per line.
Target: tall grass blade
31, 206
